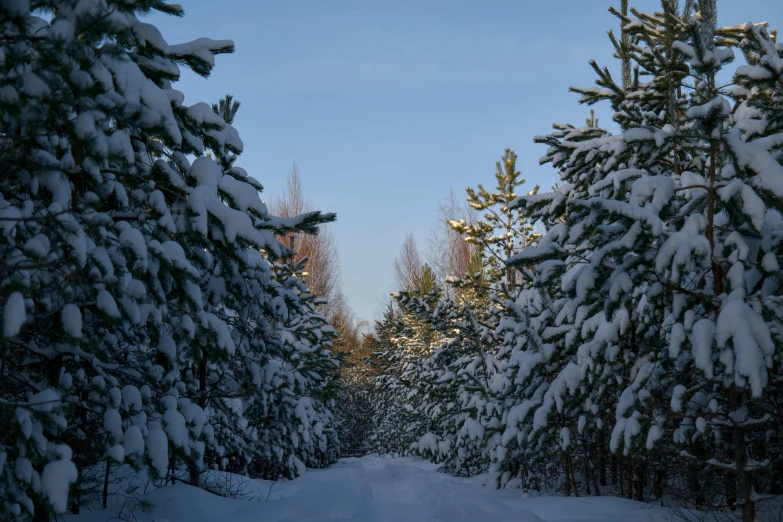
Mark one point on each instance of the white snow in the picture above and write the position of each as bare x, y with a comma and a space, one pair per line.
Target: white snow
380, 489
430, 442
107, 305
133, 441
703, 335
677, 395
473, 429
57, 478
117, 453
112, 423
676, 339
653, 436
753, 347
158, 450
201, 47
71, 317
14, 315
770, 263
45, 400
175, 427
131, 398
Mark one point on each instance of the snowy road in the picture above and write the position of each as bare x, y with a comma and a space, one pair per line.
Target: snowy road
377, 489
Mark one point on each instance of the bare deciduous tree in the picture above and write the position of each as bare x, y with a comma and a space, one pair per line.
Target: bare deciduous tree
407, 264
323, 262
324, 274
449, 253
350, 329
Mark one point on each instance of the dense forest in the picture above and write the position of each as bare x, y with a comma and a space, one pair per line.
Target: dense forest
620, 332
156, 317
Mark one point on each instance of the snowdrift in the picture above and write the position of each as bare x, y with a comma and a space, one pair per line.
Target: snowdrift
377, 489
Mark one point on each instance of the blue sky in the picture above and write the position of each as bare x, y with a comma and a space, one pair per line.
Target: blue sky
385, 105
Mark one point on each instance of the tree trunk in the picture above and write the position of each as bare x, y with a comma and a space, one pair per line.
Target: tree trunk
660, 476
776, 483
592, 477
639, 483
202, 381
744, 480
602, 457
573, 474
570, 477
172, 468
590, 472
41, 512
195, 474
587, 468
694, 488
615, 478
194, 471
106, 484
629, 477
749, 511
717, 269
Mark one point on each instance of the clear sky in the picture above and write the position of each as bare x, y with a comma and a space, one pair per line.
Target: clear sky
384, 105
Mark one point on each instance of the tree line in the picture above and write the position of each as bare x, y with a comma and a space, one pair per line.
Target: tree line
157, 318
620, 333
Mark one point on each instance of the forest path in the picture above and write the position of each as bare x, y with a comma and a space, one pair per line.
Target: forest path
382, 489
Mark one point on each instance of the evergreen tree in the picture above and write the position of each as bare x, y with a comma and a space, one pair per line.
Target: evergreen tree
656, 265
134, 277
639, 352
503, 231
226, 108
390, 433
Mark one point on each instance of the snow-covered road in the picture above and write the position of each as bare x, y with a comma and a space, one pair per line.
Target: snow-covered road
382, 489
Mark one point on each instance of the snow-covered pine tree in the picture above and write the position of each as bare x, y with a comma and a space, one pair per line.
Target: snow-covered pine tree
451, 404
727, 329
503, 231
84, 309
289, 404
667, 311
354, 404
389, 391
455, 384
116, 248
761, 89
405, 341
586, 338
709, 267
518, 459
258, 294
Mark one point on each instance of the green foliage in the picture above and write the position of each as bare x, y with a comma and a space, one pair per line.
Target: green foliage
425, 282
640, 331
151, 317
502, 231
227, 108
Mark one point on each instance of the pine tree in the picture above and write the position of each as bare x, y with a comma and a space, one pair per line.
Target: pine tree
134, 276
397, 348
656, 261
639, 353
502, 231
227, 108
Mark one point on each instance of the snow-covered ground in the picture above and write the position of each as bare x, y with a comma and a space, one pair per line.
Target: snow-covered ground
380, 489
